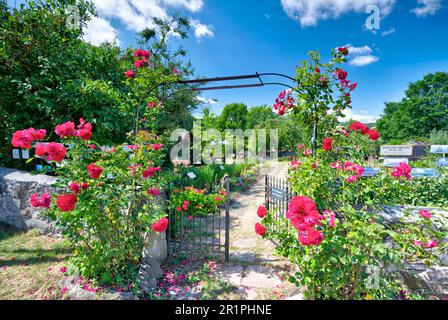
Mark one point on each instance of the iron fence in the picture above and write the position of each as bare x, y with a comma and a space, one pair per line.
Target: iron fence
278, 194
208, 236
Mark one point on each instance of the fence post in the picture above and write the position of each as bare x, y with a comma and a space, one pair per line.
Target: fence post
227, 240
266, 197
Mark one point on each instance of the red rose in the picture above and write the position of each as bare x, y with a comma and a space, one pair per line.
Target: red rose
66, 129
327, 144
43, 201
353, 86
150, 172
157, 146
84, 130
94, 171
39, 134
341, 74
142, 53
55, 152
130, 74
262, 212
24, 138
344, 50
40, 150
84, 185
66, 202
358, 126
259, 229
76, 188
402, 170
160, 226
154, 192
152, 105
374, 135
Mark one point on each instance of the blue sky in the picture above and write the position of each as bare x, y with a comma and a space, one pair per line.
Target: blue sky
232, 37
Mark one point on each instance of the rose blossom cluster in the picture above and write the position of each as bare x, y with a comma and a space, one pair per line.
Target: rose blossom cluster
303, 215
327, 144
356, 169
402, 170
67, 129
160, 226
24, 138
56, 152
142, 58
44, 201
284, 101
364, 130
259, 228
51, 151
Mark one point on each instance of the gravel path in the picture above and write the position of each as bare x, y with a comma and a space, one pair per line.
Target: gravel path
254, 269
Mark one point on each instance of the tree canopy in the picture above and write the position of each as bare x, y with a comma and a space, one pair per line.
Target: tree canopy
49, 74
423, 110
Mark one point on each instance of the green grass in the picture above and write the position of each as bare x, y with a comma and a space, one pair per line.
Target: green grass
30, 265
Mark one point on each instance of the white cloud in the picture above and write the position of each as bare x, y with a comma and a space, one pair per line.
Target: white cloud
310, 12
363, 60
201, 30
137, 15
191, 5
360, 56
99, 31
362, 116
206, 100
388, 32
357, 51
427, 7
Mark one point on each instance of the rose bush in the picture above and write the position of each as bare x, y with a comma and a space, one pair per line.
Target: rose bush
111, 196
333, 230
196, 202
105, 209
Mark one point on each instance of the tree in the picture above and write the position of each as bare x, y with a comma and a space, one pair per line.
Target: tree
424, 109
178, 103
258, 116
233, 116
49, 75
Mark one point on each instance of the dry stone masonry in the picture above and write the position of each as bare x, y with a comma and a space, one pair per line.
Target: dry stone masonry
16, 187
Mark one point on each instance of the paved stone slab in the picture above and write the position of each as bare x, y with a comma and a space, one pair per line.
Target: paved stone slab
243, 256
260, 277
245, 243
232, 274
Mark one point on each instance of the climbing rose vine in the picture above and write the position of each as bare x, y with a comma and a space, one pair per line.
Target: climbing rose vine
333, 230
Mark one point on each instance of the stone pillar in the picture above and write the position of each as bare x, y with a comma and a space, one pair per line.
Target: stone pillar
154, 253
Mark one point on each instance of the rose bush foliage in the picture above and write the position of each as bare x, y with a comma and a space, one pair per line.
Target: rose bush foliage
333, 230
196, 202
111, 196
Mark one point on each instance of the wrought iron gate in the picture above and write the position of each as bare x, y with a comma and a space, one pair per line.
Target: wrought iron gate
278, 194
208, 236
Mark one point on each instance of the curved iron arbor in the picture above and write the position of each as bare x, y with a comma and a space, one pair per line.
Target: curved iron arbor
257, 75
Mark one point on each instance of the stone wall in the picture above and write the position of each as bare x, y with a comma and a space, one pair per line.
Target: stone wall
16, 188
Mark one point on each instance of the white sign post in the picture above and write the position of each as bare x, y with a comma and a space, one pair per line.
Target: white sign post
424, 173
439, 149
443, 162
394, 162
15, 153
396, 150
